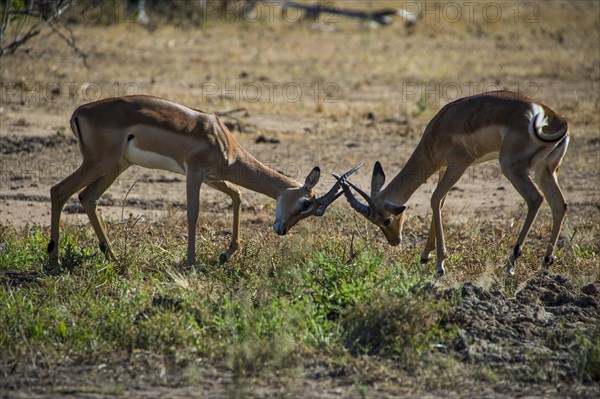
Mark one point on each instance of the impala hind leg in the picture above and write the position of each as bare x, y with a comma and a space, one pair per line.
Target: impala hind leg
520, 177
236, 197
89, 200
59, 194
547, 174
451, 176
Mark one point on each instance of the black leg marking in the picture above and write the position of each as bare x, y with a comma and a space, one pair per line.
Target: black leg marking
549, 260
130, 137
103, 247
517, 251
223, 258
51, 246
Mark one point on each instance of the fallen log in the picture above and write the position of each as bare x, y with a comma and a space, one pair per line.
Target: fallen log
381, 17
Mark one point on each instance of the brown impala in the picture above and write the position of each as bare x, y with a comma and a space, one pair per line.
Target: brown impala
116, 133
524, 135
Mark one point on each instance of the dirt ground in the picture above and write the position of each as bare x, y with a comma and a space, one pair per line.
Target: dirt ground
366, 94
325, 105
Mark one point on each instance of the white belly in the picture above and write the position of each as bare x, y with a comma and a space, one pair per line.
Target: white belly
151, 160
490, 156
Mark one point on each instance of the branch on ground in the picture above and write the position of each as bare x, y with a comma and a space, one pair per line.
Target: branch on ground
40, 10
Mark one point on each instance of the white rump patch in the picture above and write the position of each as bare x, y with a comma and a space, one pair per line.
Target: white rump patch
151, 160
540, 121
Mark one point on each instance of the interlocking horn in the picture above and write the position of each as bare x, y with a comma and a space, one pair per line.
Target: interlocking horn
333, 194
361, 208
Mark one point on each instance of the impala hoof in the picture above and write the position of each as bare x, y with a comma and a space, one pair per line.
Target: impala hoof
424, 260
52, 269
510, 270
441, 271
224, 257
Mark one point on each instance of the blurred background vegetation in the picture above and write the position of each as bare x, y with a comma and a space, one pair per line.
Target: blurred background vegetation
22, 20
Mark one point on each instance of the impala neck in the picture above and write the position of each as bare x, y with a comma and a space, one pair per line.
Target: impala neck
417, 170
248, 172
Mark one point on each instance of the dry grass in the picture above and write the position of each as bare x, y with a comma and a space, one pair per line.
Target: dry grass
266, 316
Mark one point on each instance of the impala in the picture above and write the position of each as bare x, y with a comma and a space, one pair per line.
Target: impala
152, 132
524, 135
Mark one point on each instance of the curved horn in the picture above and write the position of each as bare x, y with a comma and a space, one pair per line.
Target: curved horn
355, 203
333, 194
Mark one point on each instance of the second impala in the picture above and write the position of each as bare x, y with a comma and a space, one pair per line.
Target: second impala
524, 135
116, 133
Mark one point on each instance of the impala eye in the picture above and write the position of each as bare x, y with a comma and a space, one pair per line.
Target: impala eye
387, 222
306, 204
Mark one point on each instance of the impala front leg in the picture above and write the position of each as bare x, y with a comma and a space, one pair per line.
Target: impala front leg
449, 179
430, 244
439, 235
193, 183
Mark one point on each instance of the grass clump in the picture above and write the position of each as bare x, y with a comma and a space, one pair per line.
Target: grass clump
589, 366
391, 325
20, 254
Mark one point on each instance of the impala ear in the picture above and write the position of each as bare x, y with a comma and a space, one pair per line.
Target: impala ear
378, 179
313, 178
394, 209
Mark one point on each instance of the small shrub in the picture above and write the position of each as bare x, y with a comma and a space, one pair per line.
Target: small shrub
391, 325
589, 368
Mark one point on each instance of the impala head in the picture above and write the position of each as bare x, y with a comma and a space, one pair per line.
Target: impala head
388, 215
298, 203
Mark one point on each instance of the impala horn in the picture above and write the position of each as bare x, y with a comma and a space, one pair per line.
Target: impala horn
361, 208
333, 194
